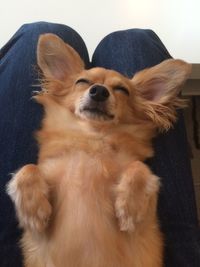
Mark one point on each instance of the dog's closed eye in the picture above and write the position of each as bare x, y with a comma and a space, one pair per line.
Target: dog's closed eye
121, 89
83, 80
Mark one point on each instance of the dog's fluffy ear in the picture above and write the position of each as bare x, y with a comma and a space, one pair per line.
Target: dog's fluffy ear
57, 60
159, 87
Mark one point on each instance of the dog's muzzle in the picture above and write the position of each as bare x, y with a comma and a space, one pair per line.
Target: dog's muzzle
95, 103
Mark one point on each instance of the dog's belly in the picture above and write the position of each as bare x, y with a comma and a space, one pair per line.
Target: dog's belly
87, 235
84, 230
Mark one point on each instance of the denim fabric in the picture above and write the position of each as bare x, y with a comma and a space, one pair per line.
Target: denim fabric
127, 52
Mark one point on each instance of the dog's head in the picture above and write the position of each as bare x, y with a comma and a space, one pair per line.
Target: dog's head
105, 96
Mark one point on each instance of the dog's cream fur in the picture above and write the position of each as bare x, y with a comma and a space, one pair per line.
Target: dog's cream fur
91, 201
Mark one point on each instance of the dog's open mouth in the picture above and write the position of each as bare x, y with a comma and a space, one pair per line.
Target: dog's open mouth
96, 113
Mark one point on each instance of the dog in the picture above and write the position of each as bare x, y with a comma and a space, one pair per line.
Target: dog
91, 201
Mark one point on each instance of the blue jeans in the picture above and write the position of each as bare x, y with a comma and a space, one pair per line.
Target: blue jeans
127, 52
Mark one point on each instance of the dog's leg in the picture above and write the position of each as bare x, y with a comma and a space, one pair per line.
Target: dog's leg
136, 192
29, 192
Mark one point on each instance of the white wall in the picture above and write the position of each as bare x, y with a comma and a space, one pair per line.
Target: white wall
177, 22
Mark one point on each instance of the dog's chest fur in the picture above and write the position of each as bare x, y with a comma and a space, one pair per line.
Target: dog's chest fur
84, 169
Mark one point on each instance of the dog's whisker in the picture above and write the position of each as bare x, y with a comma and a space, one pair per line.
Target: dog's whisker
35, 92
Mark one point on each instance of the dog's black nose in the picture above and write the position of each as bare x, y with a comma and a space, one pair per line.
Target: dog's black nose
99, 93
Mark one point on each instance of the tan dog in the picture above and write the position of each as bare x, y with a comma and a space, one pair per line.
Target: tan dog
91, 201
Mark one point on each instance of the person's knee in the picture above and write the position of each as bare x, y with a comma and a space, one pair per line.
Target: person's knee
37, 28
139, 35
31, 32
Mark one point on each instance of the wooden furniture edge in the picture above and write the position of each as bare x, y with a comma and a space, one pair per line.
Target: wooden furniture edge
192, 86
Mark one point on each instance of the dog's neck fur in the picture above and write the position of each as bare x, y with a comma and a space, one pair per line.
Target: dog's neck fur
92, 137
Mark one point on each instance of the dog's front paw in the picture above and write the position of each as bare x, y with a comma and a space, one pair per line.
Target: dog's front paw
136, 195
29, 192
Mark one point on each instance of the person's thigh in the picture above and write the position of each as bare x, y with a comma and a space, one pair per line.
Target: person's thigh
128, 52
20, 117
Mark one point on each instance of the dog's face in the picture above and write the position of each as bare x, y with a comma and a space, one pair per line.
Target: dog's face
106, 96
102, 95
